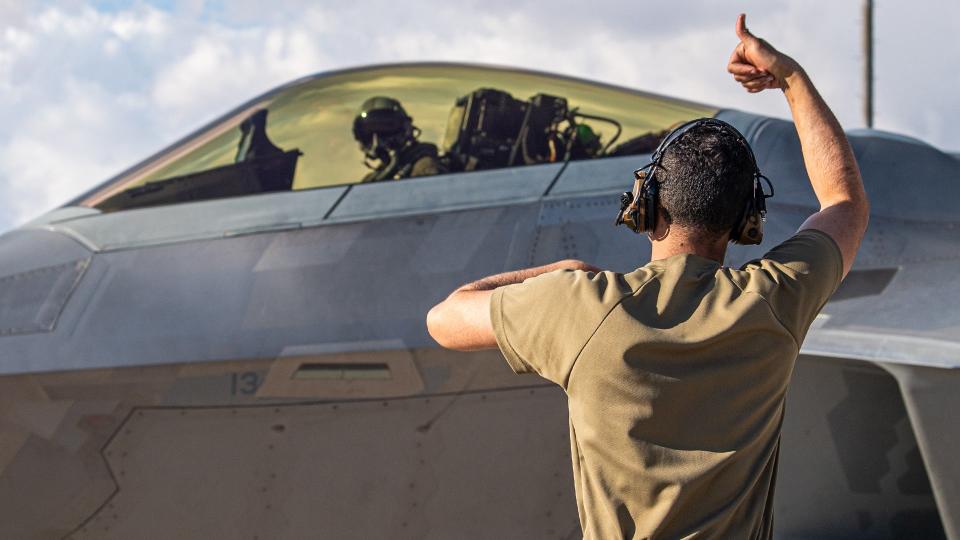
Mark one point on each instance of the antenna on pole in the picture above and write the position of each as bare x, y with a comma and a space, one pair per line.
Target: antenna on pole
868, 62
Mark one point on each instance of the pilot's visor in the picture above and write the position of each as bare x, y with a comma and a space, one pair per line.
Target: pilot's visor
384, 123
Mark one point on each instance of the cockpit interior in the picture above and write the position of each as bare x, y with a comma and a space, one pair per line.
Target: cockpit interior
396, 122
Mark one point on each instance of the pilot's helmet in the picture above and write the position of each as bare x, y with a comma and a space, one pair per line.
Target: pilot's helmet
383, 117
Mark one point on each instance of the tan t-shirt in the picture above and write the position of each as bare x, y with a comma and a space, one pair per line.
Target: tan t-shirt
676, 375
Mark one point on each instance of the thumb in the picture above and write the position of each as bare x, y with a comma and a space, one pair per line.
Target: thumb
742, 31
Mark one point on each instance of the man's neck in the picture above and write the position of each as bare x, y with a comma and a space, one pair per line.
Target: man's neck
680, 241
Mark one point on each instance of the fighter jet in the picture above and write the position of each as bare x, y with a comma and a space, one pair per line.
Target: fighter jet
227, 339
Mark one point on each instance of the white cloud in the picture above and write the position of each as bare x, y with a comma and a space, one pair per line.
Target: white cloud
86, 91
224, 67
45, 156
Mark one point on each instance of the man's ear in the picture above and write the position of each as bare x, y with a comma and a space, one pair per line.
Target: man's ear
663, 214
662, 227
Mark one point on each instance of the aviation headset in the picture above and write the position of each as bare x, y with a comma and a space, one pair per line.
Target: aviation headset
638, 209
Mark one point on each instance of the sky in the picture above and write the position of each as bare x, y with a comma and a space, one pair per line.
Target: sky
90, 88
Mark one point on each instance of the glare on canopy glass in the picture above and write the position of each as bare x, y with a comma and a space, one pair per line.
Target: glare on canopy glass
316, 116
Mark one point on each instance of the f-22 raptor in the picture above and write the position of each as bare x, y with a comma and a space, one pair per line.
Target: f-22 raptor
227, 341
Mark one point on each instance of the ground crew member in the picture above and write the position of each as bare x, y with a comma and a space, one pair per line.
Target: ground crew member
389, 142
676, 372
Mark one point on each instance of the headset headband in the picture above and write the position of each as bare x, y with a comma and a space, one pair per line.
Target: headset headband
682, 130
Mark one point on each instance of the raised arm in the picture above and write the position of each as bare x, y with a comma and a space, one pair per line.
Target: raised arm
831, 166
462, 320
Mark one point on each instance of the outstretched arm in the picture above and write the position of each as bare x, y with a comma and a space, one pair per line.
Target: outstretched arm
462, 321
831, 166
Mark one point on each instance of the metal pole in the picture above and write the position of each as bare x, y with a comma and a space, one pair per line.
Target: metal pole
868, 62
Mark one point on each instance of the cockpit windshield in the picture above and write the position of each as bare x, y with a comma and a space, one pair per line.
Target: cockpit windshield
395, 122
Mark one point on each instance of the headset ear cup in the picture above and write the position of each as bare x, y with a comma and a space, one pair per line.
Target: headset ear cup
752, 233
634, 216
641, 214
632, 207
649, 205
637, 209
749, 230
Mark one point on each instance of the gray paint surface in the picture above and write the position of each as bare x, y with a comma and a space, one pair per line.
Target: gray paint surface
196, 220
446, 192
33, 300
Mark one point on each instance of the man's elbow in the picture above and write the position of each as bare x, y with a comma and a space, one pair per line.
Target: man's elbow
434, 323
859, 214
862, 205
447, 328
854, 211
439, 327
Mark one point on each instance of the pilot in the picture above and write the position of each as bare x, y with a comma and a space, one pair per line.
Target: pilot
676, 373
389, 142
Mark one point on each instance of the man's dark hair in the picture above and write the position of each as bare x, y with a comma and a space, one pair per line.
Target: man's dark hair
706, 180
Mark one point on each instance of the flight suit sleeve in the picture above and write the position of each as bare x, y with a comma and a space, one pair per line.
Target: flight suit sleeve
797, 278
542, 324
425, 166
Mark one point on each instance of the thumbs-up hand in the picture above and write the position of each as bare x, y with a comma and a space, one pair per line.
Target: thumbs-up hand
755, 64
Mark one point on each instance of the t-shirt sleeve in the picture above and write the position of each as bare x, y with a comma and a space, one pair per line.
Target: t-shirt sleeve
797, 278
542, 324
